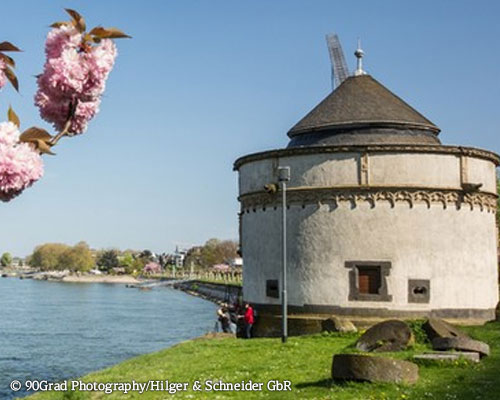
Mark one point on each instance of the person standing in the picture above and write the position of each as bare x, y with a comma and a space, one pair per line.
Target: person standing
249, 320
224, 319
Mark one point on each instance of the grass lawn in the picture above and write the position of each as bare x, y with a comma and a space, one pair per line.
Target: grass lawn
305, 361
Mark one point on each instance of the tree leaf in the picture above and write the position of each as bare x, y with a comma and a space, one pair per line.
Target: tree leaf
39, 138
12, 78
8, 46
35, 133
8, 60
59, 24
108, 33
97, 31
12, 116
75, 15
79, 21
43, 147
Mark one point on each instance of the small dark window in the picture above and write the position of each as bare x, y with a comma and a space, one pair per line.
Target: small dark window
369, 279
272, 288
419, 290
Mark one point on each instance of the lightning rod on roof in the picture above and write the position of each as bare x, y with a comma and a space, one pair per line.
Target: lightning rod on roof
359, 53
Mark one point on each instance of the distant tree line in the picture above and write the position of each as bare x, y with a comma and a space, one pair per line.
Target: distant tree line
5, 260
129, 261
59, 256
80, 257
213, 252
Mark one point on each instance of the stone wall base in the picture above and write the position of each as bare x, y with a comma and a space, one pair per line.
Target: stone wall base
308, 320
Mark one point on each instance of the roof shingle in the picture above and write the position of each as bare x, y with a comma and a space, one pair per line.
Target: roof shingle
362, 102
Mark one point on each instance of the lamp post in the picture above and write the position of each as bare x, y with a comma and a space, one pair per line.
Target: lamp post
284, 177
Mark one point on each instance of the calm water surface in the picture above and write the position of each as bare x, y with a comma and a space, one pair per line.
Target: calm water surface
54, 331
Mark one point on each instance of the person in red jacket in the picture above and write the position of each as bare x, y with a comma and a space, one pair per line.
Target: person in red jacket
249, 320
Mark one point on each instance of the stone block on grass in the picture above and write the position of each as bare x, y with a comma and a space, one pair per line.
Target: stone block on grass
390, 335
444, 356
437, 328
461, 344
358, 367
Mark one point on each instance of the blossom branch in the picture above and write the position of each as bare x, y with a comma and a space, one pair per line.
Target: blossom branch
67, 125
64, 132
69, 93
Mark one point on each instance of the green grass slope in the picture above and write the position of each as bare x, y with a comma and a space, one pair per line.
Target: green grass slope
305, 361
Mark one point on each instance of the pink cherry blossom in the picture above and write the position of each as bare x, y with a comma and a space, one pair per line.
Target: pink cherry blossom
20, 164
85, 111
59, 39
9, 133
73, 76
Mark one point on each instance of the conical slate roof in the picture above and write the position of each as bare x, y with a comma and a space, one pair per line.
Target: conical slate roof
363, 110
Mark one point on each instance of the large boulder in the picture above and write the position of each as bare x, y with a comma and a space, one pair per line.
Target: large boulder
437, 328
391, 335
335, 324
359, 367
461, 344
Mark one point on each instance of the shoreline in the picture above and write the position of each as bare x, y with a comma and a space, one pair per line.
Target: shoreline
125, 279
215, 292
56, 276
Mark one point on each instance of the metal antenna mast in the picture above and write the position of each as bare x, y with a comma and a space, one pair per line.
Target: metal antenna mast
340, 72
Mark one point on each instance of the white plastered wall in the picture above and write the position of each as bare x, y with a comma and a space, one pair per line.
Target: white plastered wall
455, 248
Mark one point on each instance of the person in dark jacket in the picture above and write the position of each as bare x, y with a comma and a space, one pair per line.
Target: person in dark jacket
224, 319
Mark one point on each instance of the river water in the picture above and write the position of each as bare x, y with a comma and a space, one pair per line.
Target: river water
55, 331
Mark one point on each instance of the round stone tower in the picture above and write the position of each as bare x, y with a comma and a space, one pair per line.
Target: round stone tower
383, 221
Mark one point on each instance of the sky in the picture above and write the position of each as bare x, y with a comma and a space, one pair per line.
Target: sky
204, 82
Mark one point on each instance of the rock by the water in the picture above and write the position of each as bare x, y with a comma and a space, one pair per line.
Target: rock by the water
437, 328
335, 324
391, 335
447, 356
373, 369
462, 344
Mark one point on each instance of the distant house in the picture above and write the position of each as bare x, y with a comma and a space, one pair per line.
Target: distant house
236, 262
179, 257
16, 262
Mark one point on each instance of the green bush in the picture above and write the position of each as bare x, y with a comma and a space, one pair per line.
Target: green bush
418, 331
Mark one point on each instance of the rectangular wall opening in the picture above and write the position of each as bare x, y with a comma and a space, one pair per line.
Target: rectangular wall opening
272, 288
369, 279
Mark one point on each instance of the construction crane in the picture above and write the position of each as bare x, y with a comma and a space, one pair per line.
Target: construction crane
340, 72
